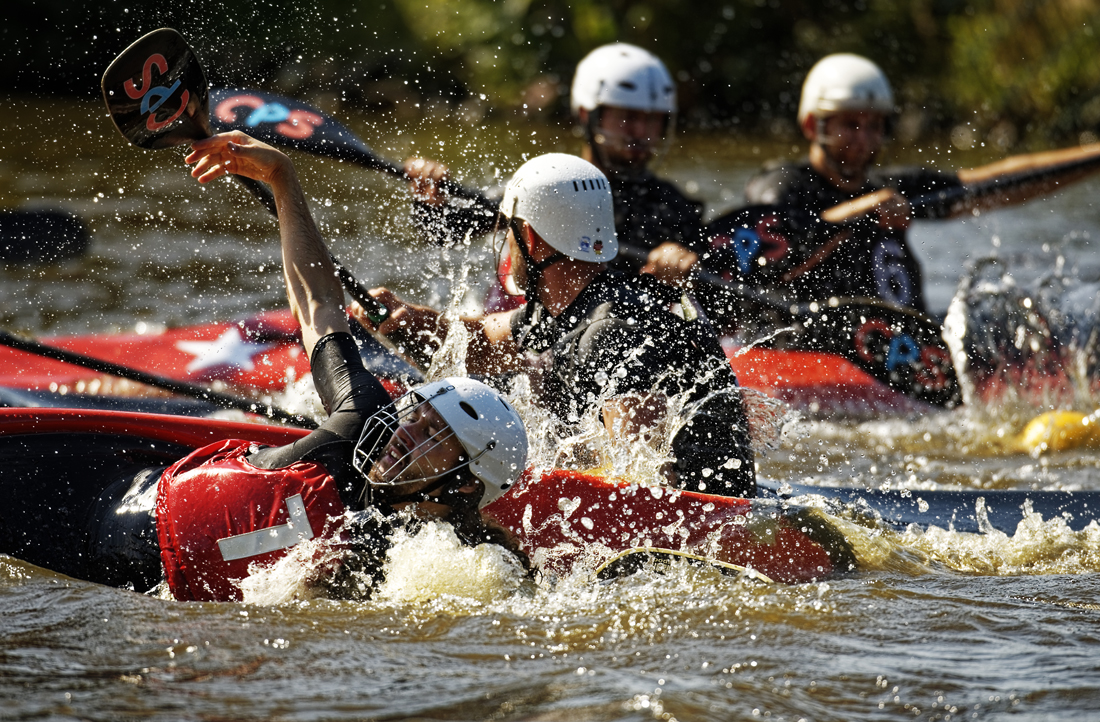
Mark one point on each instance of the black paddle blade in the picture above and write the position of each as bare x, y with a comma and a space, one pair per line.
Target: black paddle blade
897, 346
752, 243
156, 92
288, 123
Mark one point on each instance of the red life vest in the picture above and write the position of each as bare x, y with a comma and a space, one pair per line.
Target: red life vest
217, 514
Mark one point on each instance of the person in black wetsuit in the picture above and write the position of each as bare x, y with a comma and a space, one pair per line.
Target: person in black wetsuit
593, 338
624, 99
442, 452
846, 107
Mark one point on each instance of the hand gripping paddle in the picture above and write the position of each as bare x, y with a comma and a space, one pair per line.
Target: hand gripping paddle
157, 95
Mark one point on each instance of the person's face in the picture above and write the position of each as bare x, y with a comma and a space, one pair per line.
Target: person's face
627, 137
422, 448
852, 138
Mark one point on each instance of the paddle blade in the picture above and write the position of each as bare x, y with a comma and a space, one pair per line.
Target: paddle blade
288, 123
902, 348
749, 243
156, 92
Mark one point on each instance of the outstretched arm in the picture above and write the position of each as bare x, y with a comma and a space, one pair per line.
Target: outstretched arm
312, 286
1022, 164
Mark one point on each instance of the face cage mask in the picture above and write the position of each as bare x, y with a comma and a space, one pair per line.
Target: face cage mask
375, 439
603, 139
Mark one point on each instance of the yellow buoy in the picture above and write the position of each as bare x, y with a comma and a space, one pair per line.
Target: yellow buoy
1060, 431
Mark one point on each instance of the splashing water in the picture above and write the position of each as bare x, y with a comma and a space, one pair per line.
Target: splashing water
292, 577
1038, 547
433, 562
1024, 344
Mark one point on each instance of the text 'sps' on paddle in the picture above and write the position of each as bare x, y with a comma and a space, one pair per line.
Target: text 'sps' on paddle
156, 92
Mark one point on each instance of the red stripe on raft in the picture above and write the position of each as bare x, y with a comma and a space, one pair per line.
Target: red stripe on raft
185, 430
566, 519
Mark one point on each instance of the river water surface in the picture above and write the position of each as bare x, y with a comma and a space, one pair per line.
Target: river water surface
936, 624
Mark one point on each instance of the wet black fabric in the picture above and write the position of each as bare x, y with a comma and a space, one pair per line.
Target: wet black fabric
870, 262
122, 533
619, 337
350, 395
648, 212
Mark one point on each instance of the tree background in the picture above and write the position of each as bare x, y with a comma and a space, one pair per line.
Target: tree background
1008, 72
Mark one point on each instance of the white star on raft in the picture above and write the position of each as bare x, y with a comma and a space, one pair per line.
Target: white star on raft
229, 349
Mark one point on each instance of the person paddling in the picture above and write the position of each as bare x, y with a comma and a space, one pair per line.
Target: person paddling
624, 100
846, 109
593, 338
442, 451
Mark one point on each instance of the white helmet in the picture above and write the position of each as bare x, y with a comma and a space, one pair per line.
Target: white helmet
567, 201
624, 76
844, 82
488, 428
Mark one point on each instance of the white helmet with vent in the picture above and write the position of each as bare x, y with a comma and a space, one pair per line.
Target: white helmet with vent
567, 201
624, 76
844, 82
491, 433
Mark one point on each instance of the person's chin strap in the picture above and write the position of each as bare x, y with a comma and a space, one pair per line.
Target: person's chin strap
534, 269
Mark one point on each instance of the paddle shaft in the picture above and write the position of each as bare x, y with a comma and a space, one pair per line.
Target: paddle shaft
1004, 183
290, 123
226, 401
741, 290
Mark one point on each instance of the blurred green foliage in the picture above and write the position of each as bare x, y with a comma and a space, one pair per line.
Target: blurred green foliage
998, 69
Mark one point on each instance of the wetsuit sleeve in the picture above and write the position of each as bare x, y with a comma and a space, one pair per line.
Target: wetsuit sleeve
449, 223
351, 395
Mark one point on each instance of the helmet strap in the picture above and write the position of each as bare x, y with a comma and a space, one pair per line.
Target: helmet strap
534, 268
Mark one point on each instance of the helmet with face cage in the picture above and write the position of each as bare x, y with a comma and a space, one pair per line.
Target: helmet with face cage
491, 433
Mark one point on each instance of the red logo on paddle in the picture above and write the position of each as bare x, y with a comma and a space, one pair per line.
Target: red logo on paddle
153, 97
294, 124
